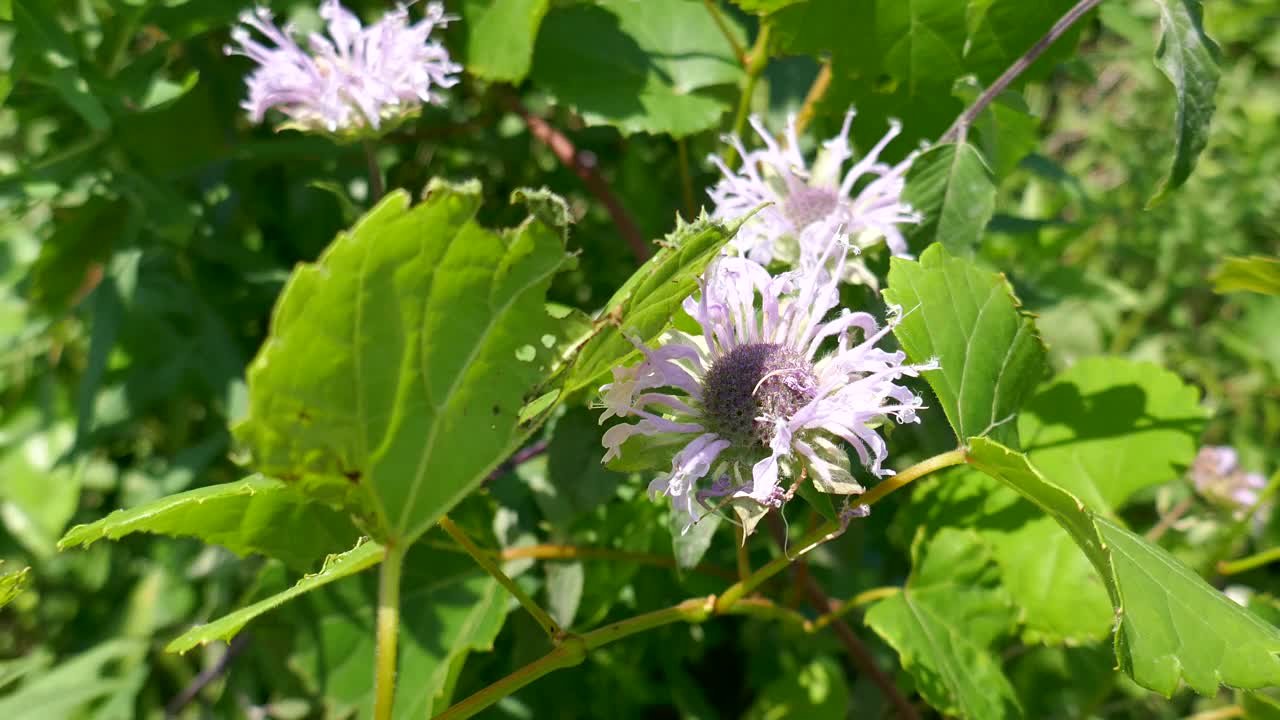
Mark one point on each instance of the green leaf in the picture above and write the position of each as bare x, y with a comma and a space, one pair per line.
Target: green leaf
815, 691
433, 334
651, 66
11, 584
448, 607
954, 189
39, 491
1172, 624
1001, 31
1108, 427
254, 515
944, 622
361, 557
111, 671
642, 308
990, 354
500, 37
54, 53
1257, 273
1059, 596
1189, 58
1007, 131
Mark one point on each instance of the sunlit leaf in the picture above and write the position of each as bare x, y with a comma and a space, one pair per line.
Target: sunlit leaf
990, 354
953, 188
11, 583
1107, 427
1172, 625
1258, 274
398, 364
254, 515
336, 567
500, 37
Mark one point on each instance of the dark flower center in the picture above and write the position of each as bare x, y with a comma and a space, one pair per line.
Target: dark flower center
753, 381
810, 204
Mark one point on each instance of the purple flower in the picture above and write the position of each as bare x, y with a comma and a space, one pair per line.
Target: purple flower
1218, 478
354, 78
752, 399
809, 205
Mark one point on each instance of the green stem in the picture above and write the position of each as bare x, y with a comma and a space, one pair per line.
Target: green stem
832, 529
718, 18
574, 650
485, 560
756, 63
816, 92
686, 179
388, 627
863, 598
1245, 564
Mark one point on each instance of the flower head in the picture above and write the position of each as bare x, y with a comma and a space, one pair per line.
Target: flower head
352, 79
770, 386
1218, 478
809, 205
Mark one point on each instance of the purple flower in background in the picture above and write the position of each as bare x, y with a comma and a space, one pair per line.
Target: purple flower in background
354, 78
809, 205
752, 398
1218, 478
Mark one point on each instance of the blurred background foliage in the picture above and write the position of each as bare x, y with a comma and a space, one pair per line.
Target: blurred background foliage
146, 229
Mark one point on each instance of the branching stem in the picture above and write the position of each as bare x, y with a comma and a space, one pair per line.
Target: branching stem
961, 125
485, 560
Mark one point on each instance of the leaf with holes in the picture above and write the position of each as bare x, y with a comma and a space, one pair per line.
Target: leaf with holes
944, 622
1173, 626
254, 515
988, 350
398, 363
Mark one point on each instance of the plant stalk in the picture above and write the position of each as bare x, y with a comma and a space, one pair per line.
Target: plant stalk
832, 529
486, 560
388, 628
961, 125
756, 62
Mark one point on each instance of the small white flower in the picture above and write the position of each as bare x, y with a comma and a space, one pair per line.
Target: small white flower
754, 397
354, 78
809, 205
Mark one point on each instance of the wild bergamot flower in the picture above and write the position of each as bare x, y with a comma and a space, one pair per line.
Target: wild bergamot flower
1218, 478
808, 205
353, 79
771, 386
